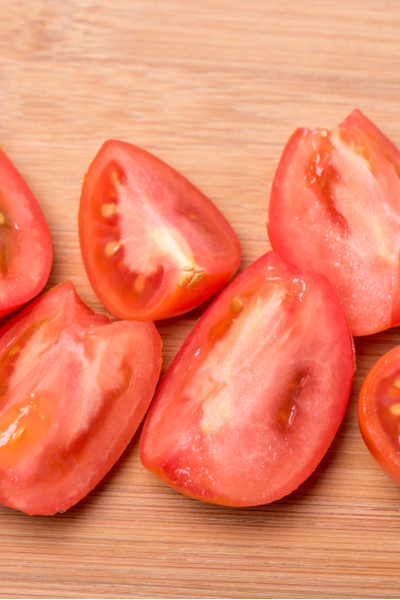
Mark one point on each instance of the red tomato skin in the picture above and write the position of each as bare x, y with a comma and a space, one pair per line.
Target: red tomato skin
334, 209
25, 241
139, 278
228, 439
75, 387
379, 427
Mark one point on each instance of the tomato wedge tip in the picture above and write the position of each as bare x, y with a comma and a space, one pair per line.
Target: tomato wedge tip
26, 251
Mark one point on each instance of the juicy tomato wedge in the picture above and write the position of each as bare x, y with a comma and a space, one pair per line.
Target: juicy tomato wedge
379, 413
256, 394
153, 245
25, 242
74, 389
335, 209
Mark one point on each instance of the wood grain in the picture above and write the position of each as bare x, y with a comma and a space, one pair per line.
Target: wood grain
214, 88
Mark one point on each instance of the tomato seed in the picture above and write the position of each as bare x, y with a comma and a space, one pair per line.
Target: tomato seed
112, 247
395, 409
108, 209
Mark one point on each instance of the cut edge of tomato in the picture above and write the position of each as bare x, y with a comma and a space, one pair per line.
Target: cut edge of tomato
17, 184
376, 439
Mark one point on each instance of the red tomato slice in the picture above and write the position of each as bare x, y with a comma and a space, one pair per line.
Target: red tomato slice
379, 413
153, 245
74, 388
335, 209
256, 394
25, 243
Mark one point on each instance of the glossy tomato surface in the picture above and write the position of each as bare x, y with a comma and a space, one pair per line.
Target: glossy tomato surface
153, 245
335, 209
74, 388
379, 413
25, 243
256, 394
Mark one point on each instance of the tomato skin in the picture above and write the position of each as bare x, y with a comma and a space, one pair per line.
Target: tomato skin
74, 389
26, 252
153, 245
379, 413
254, 397
335, 209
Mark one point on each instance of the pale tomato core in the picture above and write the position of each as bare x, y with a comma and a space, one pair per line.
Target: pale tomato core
162, 252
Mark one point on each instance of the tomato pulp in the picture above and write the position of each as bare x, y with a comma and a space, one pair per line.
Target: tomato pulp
26, 250
153, 245
257, 392
379, 413
74, 388
335, 209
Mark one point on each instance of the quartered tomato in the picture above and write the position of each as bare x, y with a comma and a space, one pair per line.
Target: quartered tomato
256, 394
153, 245
379, 413
25, 243
74, 388
335, 209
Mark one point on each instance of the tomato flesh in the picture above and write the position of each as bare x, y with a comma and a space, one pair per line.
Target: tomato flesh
335, 209
74, 388
255, 396
25, 242
153, 245
379, 413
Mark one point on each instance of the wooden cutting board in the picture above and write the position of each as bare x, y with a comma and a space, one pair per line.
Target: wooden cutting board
215, 88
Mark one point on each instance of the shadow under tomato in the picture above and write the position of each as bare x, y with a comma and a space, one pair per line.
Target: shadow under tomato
280, 513
120, 473
85, 506
105, 485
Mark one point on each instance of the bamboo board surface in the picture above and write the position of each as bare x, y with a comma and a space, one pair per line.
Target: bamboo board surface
214, 88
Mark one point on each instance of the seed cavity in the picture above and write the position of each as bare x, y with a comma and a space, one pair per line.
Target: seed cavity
2, 219
322, 176
289, 408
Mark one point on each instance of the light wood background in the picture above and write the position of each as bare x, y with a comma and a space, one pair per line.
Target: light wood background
215, 88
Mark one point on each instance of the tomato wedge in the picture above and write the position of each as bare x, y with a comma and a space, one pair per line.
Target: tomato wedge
379, 413
26, 250
74, 388
256, 394
335, 209
153, 245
